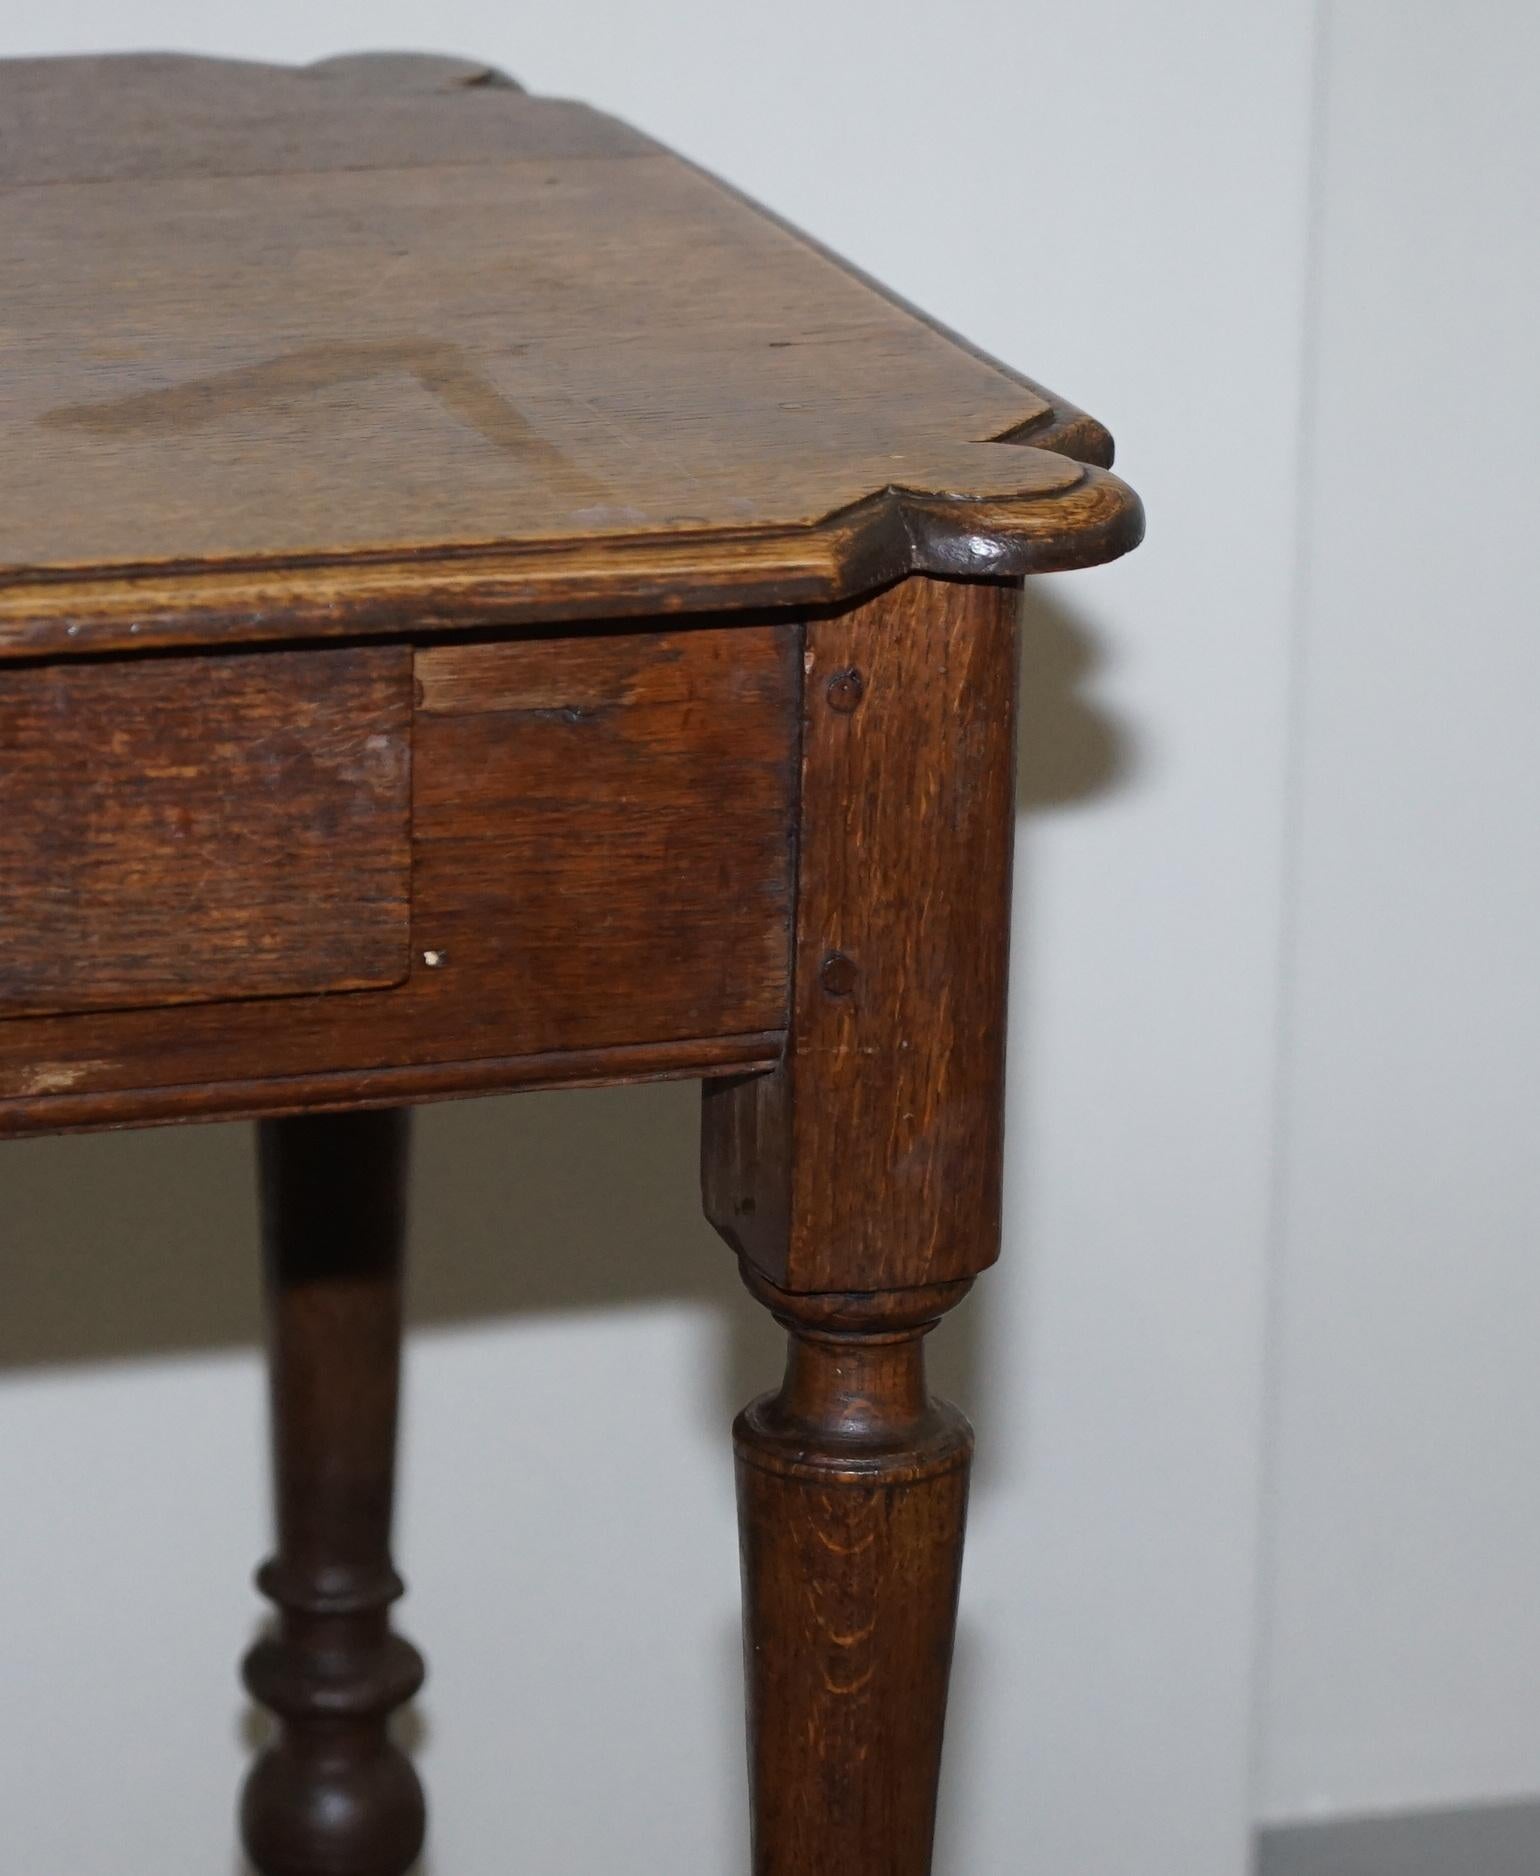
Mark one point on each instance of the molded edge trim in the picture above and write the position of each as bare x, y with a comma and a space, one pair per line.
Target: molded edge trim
885, 536
696, 1059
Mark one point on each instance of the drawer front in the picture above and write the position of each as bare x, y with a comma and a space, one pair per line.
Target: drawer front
518, 861
196, 829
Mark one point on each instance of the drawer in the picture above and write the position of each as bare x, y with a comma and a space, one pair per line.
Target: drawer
189, 830
462, 867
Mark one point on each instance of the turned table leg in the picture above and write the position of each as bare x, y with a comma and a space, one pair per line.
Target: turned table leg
859, 1183
333, 1795
852, 1490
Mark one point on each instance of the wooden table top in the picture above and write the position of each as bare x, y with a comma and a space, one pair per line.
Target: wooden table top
384, 340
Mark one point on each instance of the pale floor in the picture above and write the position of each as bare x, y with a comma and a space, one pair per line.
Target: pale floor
1491, 1840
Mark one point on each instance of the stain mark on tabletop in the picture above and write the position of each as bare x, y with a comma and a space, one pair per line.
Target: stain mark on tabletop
440, 366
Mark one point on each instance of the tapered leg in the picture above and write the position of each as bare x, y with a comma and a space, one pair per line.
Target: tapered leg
334, 1795
859, 1182
852, 1491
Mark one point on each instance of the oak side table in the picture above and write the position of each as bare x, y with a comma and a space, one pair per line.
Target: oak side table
483, 606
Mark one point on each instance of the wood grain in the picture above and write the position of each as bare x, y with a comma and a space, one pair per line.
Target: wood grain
203, 829
348, 385
600, 865
852, 1495
600, 829
872, 1158
117, 117
337, 1090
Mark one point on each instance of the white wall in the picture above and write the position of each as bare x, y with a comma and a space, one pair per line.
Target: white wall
1404, 1646
1115, 198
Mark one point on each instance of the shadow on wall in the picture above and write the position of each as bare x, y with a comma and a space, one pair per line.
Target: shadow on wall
140, 1245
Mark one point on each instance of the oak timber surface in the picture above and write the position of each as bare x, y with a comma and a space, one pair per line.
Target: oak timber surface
191, 830
600, 877
872, 1158
290, 350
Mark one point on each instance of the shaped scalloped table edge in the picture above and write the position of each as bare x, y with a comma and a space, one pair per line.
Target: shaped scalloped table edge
992, 510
